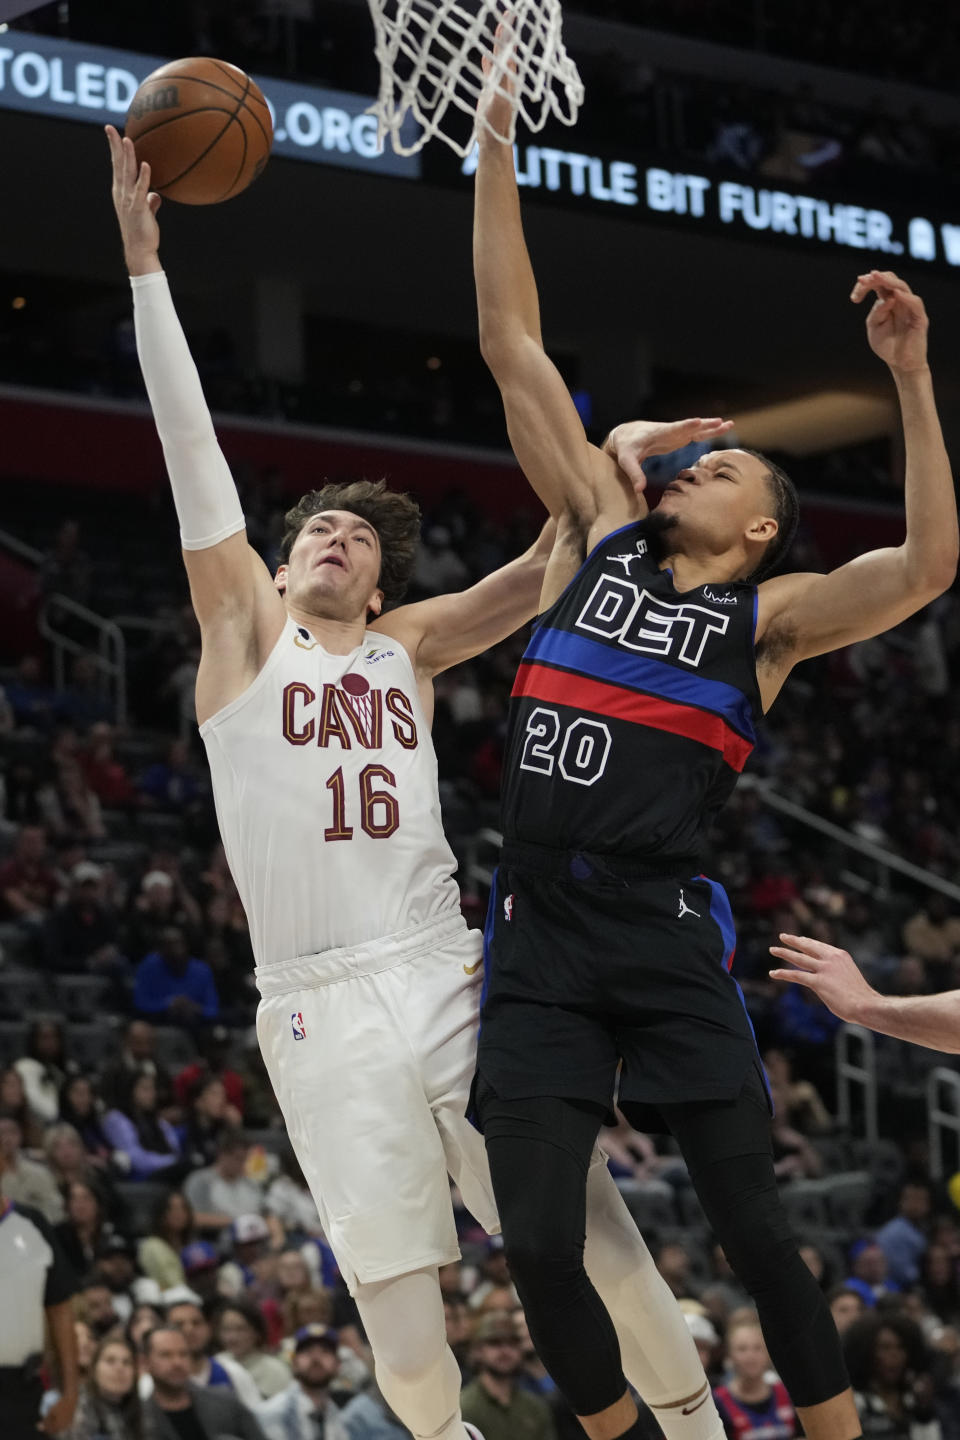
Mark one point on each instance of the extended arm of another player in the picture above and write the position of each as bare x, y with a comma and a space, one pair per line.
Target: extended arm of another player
931, 1020
546, 432
882, 588
449, 629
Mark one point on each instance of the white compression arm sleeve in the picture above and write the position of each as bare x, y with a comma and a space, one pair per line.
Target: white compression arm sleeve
208, 506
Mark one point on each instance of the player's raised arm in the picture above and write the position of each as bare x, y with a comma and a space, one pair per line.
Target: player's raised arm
239, 611
931, 1020
809, 614
548, 438
449, 629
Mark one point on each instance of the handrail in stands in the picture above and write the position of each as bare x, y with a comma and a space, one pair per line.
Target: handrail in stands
939, 1119
850, 1073
109, 651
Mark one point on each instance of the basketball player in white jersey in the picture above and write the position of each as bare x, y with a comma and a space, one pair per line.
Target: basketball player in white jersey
314, 705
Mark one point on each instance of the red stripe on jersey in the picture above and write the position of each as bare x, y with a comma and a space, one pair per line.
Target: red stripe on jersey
559, 687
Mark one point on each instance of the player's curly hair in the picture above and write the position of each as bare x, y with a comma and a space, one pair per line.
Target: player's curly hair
395, 517
786, 512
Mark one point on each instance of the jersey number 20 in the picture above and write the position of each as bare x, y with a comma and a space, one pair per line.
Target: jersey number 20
580, 751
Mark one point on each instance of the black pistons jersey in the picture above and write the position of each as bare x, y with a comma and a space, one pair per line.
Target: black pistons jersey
633, 711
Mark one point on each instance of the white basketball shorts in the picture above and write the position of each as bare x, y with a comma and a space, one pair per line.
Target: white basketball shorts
371, 1053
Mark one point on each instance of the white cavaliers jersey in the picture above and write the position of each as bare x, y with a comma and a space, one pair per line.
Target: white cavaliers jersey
325, 783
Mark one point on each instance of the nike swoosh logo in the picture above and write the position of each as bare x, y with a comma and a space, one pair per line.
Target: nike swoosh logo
472, 969
689, 1409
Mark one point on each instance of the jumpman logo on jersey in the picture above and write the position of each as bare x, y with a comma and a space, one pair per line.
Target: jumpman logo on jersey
627, 560
685, 909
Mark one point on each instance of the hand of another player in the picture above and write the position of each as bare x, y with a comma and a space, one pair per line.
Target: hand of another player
830, 973
498, 102
136, 206
59, 1417
897, 325
632, 443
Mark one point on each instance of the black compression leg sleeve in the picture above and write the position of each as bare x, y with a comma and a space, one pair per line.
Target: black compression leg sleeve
728, 1152
539, 1153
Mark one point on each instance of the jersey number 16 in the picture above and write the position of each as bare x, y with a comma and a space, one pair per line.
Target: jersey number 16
379, 809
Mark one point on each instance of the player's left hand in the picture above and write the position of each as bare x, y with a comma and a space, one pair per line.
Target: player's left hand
897, 324
830, 973
638, 440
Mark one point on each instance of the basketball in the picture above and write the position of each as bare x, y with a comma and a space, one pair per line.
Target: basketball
203, 127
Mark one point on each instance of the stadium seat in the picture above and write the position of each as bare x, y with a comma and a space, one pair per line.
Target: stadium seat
173, 1048
805, 1201
883, 1158
651, 1206
83, 997
848, 1196
23, 993
90, 1044
11, 1040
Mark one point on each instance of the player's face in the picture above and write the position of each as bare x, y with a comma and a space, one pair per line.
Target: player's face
719, 500
334, 567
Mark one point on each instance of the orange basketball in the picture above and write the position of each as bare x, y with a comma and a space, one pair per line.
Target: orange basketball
203, 127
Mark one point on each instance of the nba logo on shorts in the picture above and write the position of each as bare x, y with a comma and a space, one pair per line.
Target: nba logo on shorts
508, 907
297, 1025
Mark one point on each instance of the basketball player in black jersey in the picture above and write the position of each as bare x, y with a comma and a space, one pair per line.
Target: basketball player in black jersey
658, 648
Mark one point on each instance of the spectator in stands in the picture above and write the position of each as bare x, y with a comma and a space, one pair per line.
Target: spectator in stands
201, 1265
95, 1305
86, 1347
109, 1406
208, 1118
44, 1068
145, 1317
794, 1157
13, 1101
221, 1192
67, 1158
904, 1238
941, 1284
868, 1272
25, 1181
116, 1266
30, 797
66, 568
494, 1401
137, 1057
368, 1417
933, 934
459, 1327
495, 1274
673, 1262
289, 1200
889, 1367
213, 1063
174, 782
172, 986
80, 1108
85, 1227
307, 1307
708, 1344
104, 773
748, 1402
438, 568
82, 814
34, 704
799, 1101
81, 934
84, 702
190, 1317
304, 1409
533, 1373
135, 1130
162, 901
242, 1335
846, 1305
250, 1237
159, 1254
28, 885
178, 1408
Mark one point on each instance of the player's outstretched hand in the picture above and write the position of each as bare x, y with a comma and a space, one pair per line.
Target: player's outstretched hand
897, 324
638, 440
498, 102
828, 972
136, 205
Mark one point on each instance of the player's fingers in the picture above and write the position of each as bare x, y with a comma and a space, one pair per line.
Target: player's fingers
795, 957
891, 281
142, 188
154, 201
633, 470
796, 977
802, 943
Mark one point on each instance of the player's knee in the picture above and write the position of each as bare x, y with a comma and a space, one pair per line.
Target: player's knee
542, 1263
759, 1246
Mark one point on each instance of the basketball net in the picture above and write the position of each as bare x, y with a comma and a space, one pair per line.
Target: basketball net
431, 67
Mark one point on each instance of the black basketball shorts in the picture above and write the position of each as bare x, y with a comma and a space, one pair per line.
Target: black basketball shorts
591, 966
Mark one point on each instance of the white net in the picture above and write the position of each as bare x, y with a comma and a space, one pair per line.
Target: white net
431, 68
